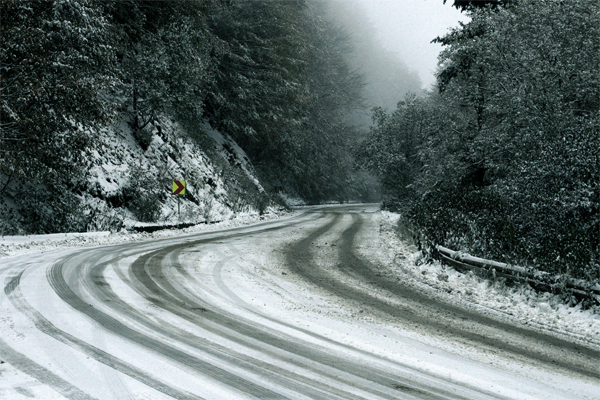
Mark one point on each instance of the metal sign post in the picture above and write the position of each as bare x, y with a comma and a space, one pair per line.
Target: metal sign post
178, 188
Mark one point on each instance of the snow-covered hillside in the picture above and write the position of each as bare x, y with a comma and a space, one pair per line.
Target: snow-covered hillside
129, 178
129, 185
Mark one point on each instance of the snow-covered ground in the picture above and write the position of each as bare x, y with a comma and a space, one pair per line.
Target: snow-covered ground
129, 180
28, 244
400, 258
244, 282
261, 282
121, 164
519, 303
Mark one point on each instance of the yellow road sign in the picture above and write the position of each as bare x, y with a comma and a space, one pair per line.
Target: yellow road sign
179, 187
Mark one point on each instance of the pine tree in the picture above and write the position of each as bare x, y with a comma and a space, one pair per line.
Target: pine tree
55, 68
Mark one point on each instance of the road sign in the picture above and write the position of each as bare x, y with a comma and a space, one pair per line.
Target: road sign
178, 187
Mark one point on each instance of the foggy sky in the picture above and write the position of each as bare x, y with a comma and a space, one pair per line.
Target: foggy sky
406, 27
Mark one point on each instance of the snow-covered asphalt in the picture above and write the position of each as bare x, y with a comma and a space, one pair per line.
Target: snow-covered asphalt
302, 307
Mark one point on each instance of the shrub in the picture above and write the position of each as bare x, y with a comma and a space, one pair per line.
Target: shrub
146, 193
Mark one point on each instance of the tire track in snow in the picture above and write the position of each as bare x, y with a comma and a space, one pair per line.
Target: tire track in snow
59, 284
156, 288
13, 293
457, 326
270, 359
185, 309
43, 375
300, 261
410, 374
173, 300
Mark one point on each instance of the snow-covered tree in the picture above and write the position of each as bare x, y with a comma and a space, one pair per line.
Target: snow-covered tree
55, 68
509, 152
163, 58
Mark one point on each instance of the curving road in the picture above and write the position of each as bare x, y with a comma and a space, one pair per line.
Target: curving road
297, 308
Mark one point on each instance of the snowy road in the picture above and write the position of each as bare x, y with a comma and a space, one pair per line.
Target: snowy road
296, 308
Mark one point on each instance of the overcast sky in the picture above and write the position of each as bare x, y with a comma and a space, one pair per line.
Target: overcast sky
408, 26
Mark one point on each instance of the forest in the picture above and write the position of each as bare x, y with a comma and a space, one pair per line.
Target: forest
501, 159
273, 76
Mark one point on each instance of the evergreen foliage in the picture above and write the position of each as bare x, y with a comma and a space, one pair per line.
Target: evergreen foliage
55, 67
270, 74
281, 86
504, 162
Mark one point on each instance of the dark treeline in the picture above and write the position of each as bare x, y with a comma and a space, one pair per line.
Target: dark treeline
272, 74
501, 160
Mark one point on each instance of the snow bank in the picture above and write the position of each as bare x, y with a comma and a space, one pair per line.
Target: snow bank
16, 245
520, 303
